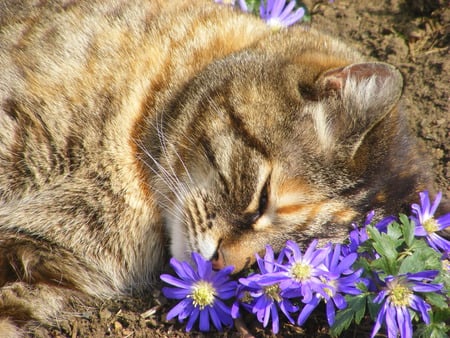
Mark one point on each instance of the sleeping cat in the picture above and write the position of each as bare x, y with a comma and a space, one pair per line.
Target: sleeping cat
132, 128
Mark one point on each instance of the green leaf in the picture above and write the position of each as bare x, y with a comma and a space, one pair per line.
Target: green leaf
440, 315
434, 330
359, 307
356, 309
436, 300
373, 308
253, 6
421, 258
383, 267
394, 231
343, 320
407, 228
384, 244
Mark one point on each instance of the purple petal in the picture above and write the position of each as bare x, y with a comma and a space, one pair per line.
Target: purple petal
334, 257
243, 5
179, 308
443, 221
267, 311
183, 270
425, 205
340, 301
438, 243
307, 294
204, 267
383, 224
235, 310
423, 275
276, 9
419, 230
215, 318
186, 312
346, 263
436, 202
381, 295
175, 281
379, 321
273, 278
287, 10
221, 276
310, 250
174, 293
331, 313
307, 310
419, 304
269, 259
275, 320
425, 287
192, 319
223, 312
391, 322
287, 308
204, 320
296, 16
261, 304
404, 322
294, 249
318, 258
227, 291
369, 217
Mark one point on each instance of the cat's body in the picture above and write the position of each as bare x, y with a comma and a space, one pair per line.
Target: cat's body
127, 127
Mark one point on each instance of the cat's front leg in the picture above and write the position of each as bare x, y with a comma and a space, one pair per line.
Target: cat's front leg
73, 236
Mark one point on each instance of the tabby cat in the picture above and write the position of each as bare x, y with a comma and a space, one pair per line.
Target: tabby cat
132, 128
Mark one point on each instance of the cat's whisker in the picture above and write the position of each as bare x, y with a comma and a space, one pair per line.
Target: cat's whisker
166, 179
186, 189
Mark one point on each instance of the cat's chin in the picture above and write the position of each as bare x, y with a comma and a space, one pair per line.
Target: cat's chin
178, 247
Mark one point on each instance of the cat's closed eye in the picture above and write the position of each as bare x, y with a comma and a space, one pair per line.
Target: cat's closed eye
263, 200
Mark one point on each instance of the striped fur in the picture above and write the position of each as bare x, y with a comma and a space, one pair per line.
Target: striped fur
131, 127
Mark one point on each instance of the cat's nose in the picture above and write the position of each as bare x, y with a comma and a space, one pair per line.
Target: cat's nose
218, 261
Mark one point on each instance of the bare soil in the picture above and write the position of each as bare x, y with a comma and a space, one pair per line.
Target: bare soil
412, 35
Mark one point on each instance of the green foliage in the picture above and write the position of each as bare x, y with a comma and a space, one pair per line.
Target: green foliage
396, 251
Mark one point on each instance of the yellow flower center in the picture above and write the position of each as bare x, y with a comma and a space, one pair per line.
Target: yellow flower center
301, 271
400, 295
247, 298
430, 225
273, 291
329, 290
202, 294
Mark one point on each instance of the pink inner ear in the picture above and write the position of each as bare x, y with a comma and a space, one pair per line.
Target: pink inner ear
335, 79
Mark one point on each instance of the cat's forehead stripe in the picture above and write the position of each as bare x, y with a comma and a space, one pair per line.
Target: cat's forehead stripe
246, 136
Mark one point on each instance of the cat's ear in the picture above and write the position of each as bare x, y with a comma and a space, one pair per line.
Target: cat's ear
367, 93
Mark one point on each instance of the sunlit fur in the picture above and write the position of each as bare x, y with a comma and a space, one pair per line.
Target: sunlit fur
132, 130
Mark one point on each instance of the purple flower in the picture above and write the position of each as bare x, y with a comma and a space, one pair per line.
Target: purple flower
265, 300
356, 237
277, 14
427, 225
339, 280
398, 298
301, 274
201, 291
359, 235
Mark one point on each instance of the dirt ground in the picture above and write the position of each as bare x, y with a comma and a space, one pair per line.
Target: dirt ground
411, 34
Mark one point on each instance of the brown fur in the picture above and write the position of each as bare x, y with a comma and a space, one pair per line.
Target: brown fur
127, 127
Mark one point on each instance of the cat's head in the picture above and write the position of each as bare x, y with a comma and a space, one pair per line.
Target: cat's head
268, 145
